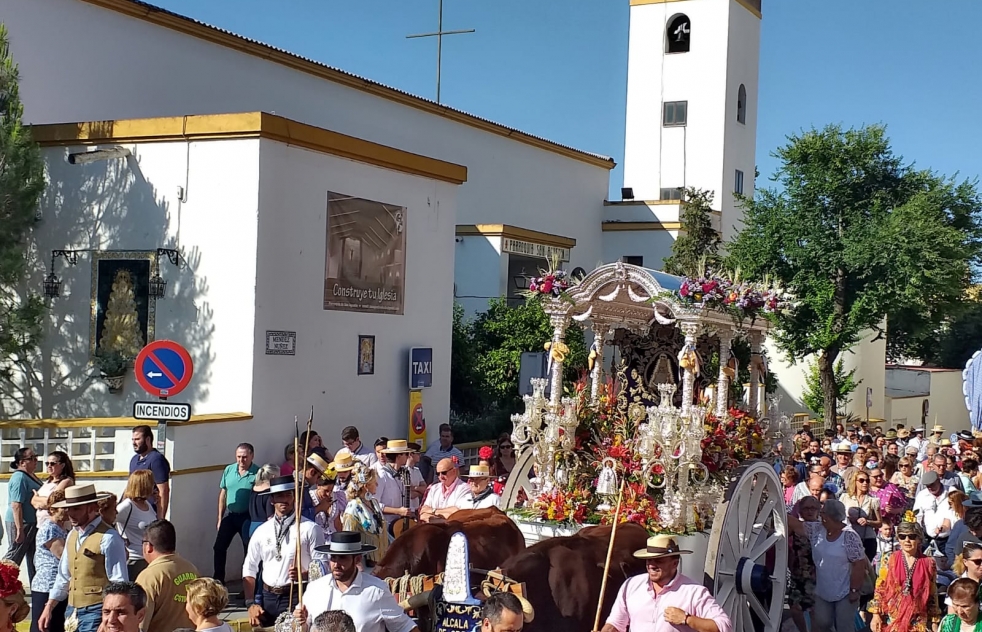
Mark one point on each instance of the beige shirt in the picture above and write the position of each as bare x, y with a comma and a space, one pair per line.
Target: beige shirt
165, 581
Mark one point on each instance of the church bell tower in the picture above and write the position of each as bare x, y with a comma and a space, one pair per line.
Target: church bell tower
692, 104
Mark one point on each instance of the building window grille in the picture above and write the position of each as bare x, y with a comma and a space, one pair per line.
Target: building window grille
674, 114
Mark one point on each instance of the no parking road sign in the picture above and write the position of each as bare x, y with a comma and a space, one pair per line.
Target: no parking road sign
163, 368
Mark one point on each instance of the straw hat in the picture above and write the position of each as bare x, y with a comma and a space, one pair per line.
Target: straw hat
478, 471
344, 461
937, 428
842, 448
903, 433
319, 462
660, 546
80, 495
891, 434
397, 446
946, 443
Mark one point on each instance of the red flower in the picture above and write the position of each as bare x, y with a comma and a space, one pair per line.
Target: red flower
485, 453
9, 580
546, 286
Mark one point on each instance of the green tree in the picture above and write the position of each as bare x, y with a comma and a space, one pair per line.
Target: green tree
845, 384
465, 394
698, 243
21, 185
502, 333
856, 235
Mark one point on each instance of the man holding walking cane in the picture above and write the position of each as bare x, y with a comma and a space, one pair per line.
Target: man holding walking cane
664, 599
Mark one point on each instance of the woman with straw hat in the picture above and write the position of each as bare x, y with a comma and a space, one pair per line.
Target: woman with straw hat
646, 602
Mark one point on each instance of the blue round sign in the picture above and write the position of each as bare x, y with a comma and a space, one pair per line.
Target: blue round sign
163, 368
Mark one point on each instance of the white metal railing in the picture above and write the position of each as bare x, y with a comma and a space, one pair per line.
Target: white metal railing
91, 449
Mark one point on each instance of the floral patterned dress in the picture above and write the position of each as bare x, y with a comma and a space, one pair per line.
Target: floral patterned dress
364, 515
906, 598
801, 573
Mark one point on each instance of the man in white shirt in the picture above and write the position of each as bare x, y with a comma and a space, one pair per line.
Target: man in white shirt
415, 478
481, 492
365, 598
442, 498
931, 506
352, 441
391, 492
273, 546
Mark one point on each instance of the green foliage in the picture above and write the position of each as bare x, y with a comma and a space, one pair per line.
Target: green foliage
698, 243
845, 383
958, 338
857, 236
486, 359
21, 185
111, 363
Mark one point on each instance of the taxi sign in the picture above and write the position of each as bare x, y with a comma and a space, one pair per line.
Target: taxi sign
161, 411
163, 368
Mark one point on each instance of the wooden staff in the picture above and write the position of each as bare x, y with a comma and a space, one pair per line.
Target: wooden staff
610, 552
298, 563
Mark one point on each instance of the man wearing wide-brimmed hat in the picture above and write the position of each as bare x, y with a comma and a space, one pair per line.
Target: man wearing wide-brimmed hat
274, 545
364, 597
645, 603
481, 494
843, 460
394, 485
94, 556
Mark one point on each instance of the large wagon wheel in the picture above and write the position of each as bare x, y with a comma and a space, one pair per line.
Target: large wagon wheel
747, 559
517, 479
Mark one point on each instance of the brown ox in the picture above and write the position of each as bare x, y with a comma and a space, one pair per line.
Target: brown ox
422, 550
562, 576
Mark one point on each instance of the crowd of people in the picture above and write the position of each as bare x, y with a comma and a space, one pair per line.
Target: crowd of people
878, 520
94, 559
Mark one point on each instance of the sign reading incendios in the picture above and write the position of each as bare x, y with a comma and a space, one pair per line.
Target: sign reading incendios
161, 411
519, 247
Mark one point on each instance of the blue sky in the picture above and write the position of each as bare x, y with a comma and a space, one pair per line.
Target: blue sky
558, 69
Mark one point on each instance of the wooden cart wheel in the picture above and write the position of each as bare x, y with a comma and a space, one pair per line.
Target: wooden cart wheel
747, 559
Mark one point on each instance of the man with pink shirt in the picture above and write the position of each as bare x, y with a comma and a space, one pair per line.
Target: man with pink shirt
664, 599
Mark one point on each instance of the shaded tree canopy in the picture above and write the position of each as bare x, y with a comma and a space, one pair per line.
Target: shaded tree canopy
697, 246
859, 237
21, 185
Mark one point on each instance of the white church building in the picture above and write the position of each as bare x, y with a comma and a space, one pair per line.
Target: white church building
323, 223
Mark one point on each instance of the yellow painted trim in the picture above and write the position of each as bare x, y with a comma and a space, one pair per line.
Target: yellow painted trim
247, 125
746, 4
211, 34
608, 227
106, 474
199, 470
514, 232
118, 422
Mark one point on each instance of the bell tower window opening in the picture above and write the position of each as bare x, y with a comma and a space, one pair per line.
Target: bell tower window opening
678, 33
742, 104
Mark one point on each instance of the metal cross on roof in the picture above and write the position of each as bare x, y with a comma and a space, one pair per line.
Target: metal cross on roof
438, 34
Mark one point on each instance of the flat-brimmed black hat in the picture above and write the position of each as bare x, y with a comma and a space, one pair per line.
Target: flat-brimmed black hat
280, 484
345, 543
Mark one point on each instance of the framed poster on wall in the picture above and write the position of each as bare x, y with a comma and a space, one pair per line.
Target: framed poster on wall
365, 257
366, 355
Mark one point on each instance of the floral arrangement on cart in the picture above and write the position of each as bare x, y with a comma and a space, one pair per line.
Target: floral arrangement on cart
666, 465
668, 470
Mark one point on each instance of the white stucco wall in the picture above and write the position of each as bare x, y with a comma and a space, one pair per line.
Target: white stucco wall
148, 71
652, 245
132, 204
946, 403
480, 271
323, 373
